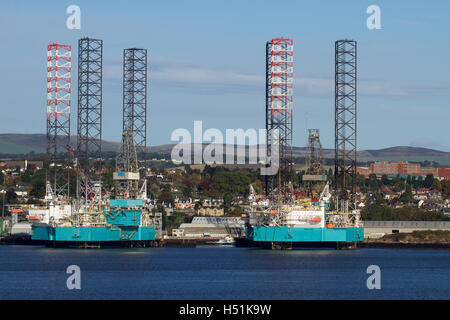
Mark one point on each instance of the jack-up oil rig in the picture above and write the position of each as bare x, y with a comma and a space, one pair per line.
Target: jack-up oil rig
90, 219
314, 217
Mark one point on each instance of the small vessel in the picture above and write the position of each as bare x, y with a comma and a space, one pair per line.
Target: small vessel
227, 241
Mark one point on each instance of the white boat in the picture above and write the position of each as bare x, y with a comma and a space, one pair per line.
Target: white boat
227, 241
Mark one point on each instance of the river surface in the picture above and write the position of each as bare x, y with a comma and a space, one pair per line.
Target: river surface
34, 272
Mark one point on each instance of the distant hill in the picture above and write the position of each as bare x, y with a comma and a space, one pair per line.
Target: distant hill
26, 143
393, 153
406, 151
12, 143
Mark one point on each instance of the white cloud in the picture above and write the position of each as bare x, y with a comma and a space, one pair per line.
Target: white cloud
199, 78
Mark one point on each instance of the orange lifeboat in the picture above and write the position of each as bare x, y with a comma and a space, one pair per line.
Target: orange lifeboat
316, 219
274, 211
329, 225
33, 218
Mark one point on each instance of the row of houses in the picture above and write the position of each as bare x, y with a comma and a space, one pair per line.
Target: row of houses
21, 189
189, 203
428, 199
22, 165
207, 207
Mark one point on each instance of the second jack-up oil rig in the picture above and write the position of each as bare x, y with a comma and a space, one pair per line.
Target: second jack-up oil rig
313, 217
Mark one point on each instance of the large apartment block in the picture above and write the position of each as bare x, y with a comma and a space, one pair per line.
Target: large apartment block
402, 168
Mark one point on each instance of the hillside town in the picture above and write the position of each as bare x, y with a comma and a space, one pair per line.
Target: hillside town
182, 192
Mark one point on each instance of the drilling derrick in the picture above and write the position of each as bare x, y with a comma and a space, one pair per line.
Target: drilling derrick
315, 157
90, 53
345, 118
58, 118
314, 176
135, 97
279, 109
127, 173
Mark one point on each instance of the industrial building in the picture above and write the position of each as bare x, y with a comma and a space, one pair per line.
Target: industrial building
213, 227
402, 168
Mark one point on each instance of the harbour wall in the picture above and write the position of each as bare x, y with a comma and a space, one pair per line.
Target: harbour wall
376, 229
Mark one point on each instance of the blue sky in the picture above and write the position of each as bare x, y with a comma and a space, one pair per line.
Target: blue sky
206, 62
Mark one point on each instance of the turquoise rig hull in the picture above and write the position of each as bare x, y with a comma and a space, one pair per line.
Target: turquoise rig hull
92, 234
293, 234
264, 236
123, 224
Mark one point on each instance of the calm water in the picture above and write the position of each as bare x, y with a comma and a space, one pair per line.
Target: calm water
28, 272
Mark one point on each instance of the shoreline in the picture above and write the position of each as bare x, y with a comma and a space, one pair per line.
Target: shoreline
403, 245
371, 244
